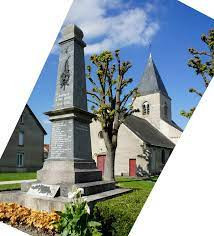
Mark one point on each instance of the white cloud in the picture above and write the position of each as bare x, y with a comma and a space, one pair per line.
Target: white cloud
111, 24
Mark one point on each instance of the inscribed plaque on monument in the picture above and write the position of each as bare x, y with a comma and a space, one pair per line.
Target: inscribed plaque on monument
61, 143
43, 190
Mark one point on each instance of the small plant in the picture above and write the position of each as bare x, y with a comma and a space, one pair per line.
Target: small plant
74, 220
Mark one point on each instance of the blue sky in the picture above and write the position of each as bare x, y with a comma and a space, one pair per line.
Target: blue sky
171, 28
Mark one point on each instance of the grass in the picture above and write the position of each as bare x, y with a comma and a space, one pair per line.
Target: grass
141, 190
17, 176
137, 184
9, 187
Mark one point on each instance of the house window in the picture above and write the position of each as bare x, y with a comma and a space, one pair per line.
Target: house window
21, 119
163, 158
20, 159
146, 108
21, 138
165, 110
100, 134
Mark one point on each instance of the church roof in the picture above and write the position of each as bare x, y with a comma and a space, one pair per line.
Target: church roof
151, 81
176, 126
147, 132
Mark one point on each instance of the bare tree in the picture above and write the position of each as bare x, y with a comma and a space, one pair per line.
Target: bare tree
203, 64
110, 103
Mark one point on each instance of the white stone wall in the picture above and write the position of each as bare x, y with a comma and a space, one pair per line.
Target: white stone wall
156, 116
129, 147
155, 112
170, 131
167, 100
97, 144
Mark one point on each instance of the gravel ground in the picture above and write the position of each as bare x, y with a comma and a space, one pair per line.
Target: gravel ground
33, 231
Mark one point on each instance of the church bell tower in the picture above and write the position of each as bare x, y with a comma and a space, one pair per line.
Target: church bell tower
154, 102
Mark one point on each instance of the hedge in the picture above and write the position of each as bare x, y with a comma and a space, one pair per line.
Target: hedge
118, 215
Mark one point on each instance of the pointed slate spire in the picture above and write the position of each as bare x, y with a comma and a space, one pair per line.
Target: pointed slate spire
151, 81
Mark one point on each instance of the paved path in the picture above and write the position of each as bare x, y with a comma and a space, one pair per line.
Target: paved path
15, 181
9, 230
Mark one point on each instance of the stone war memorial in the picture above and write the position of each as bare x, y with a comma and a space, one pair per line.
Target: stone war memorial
70, 160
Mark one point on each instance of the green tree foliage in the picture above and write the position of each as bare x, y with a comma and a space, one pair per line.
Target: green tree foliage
110, 103
203, 65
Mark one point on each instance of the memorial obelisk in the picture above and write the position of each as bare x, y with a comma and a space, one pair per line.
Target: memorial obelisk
70, 159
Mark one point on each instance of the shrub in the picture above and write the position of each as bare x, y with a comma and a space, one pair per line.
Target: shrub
118, 215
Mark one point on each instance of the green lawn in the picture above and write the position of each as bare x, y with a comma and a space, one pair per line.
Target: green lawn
14, 176
17, 176
10, 186
133, 183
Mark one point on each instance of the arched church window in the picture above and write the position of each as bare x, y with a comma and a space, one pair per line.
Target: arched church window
163, 157
146, 108
100, 134
165, 110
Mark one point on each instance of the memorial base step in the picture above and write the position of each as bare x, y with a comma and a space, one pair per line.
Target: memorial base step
88, 187
68, 171
85, 165
96, 187
55, 204
87, 175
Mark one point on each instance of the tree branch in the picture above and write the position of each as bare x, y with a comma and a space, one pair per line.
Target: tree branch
93, 95
192, 90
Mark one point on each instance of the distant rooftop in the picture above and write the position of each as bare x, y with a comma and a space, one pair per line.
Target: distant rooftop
151, 81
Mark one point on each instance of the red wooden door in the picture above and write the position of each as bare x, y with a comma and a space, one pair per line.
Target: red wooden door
101, 162
132, 167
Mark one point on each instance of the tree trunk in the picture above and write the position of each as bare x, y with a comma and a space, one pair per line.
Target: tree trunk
109, 164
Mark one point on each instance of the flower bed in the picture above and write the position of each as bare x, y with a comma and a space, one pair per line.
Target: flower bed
27, 219
73, 220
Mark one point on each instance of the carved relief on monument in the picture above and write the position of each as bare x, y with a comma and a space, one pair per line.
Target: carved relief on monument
64, 79
64, 91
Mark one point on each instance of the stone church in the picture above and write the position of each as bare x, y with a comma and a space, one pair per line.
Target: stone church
146, 138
